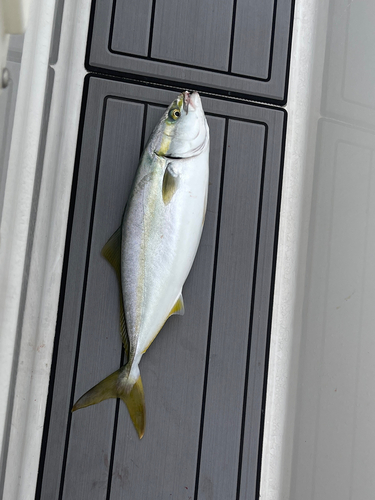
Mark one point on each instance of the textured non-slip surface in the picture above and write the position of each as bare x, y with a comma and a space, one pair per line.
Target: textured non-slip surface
204, 374
236, 46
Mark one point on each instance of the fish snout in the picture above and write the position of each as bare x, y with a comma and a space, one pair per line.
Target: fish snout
186, 97
193, 100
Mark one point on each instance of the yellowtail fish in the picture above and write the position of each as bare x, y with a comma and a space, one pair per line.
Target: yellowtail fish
155, 246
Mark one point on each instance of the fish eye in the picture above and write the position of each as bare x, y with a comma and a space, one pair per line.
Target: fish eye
174, 114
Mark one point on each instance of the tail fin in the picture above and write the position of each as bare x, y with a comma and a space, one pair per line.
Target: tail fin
113, 387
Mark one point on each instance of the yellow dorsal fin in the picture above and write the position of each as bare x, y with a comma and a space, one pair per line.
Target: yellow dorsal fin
179, 307
112, 253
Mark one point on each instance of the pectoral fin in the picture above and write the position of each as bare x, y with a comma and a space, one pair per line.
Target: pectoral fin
115, 387
170, 184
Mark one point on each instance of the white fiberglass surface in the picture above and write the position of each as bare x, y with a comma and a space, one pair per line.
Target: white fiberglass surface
8, 97
28, 321
319, 435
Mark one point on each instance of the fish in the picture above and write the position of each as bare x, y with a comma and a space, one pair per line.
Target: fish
153, 250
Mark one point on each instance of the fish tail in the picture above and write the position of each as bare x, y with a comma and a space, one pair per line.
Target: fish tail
118, 385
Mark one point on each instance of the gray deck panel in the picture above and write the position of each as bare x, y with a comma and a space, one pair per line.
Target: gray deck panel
252, 43
231, 313
172, 370
260, 327
164, 463
188, 48
195, 25
131, 27
100, 347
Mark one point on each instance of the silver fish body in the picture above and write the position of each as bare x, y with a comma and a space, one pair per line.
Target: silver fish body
157, 240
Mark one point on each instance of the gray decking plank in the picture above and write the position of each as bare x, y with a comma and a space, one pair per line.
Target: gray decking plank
231, 315
131, 27
252, 44
260, 329
100, 348
193, 24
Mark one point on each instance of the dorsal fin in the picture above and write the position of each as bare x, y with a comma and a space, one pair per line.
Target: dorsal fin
179, 307
112, 253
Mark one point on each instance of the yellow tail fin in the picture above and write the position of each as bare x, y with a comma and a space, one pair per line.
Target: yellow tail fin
112, 387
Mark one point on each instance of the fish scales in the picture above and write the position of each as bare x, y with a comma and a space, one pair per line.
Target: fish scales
160, 244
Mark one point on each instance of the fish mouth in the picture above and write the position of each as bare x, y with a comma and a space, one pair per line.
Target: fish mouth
190, 100
186, 101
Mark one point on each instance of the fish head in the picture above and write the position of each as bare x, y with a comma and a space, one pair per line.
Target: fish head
182, 131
